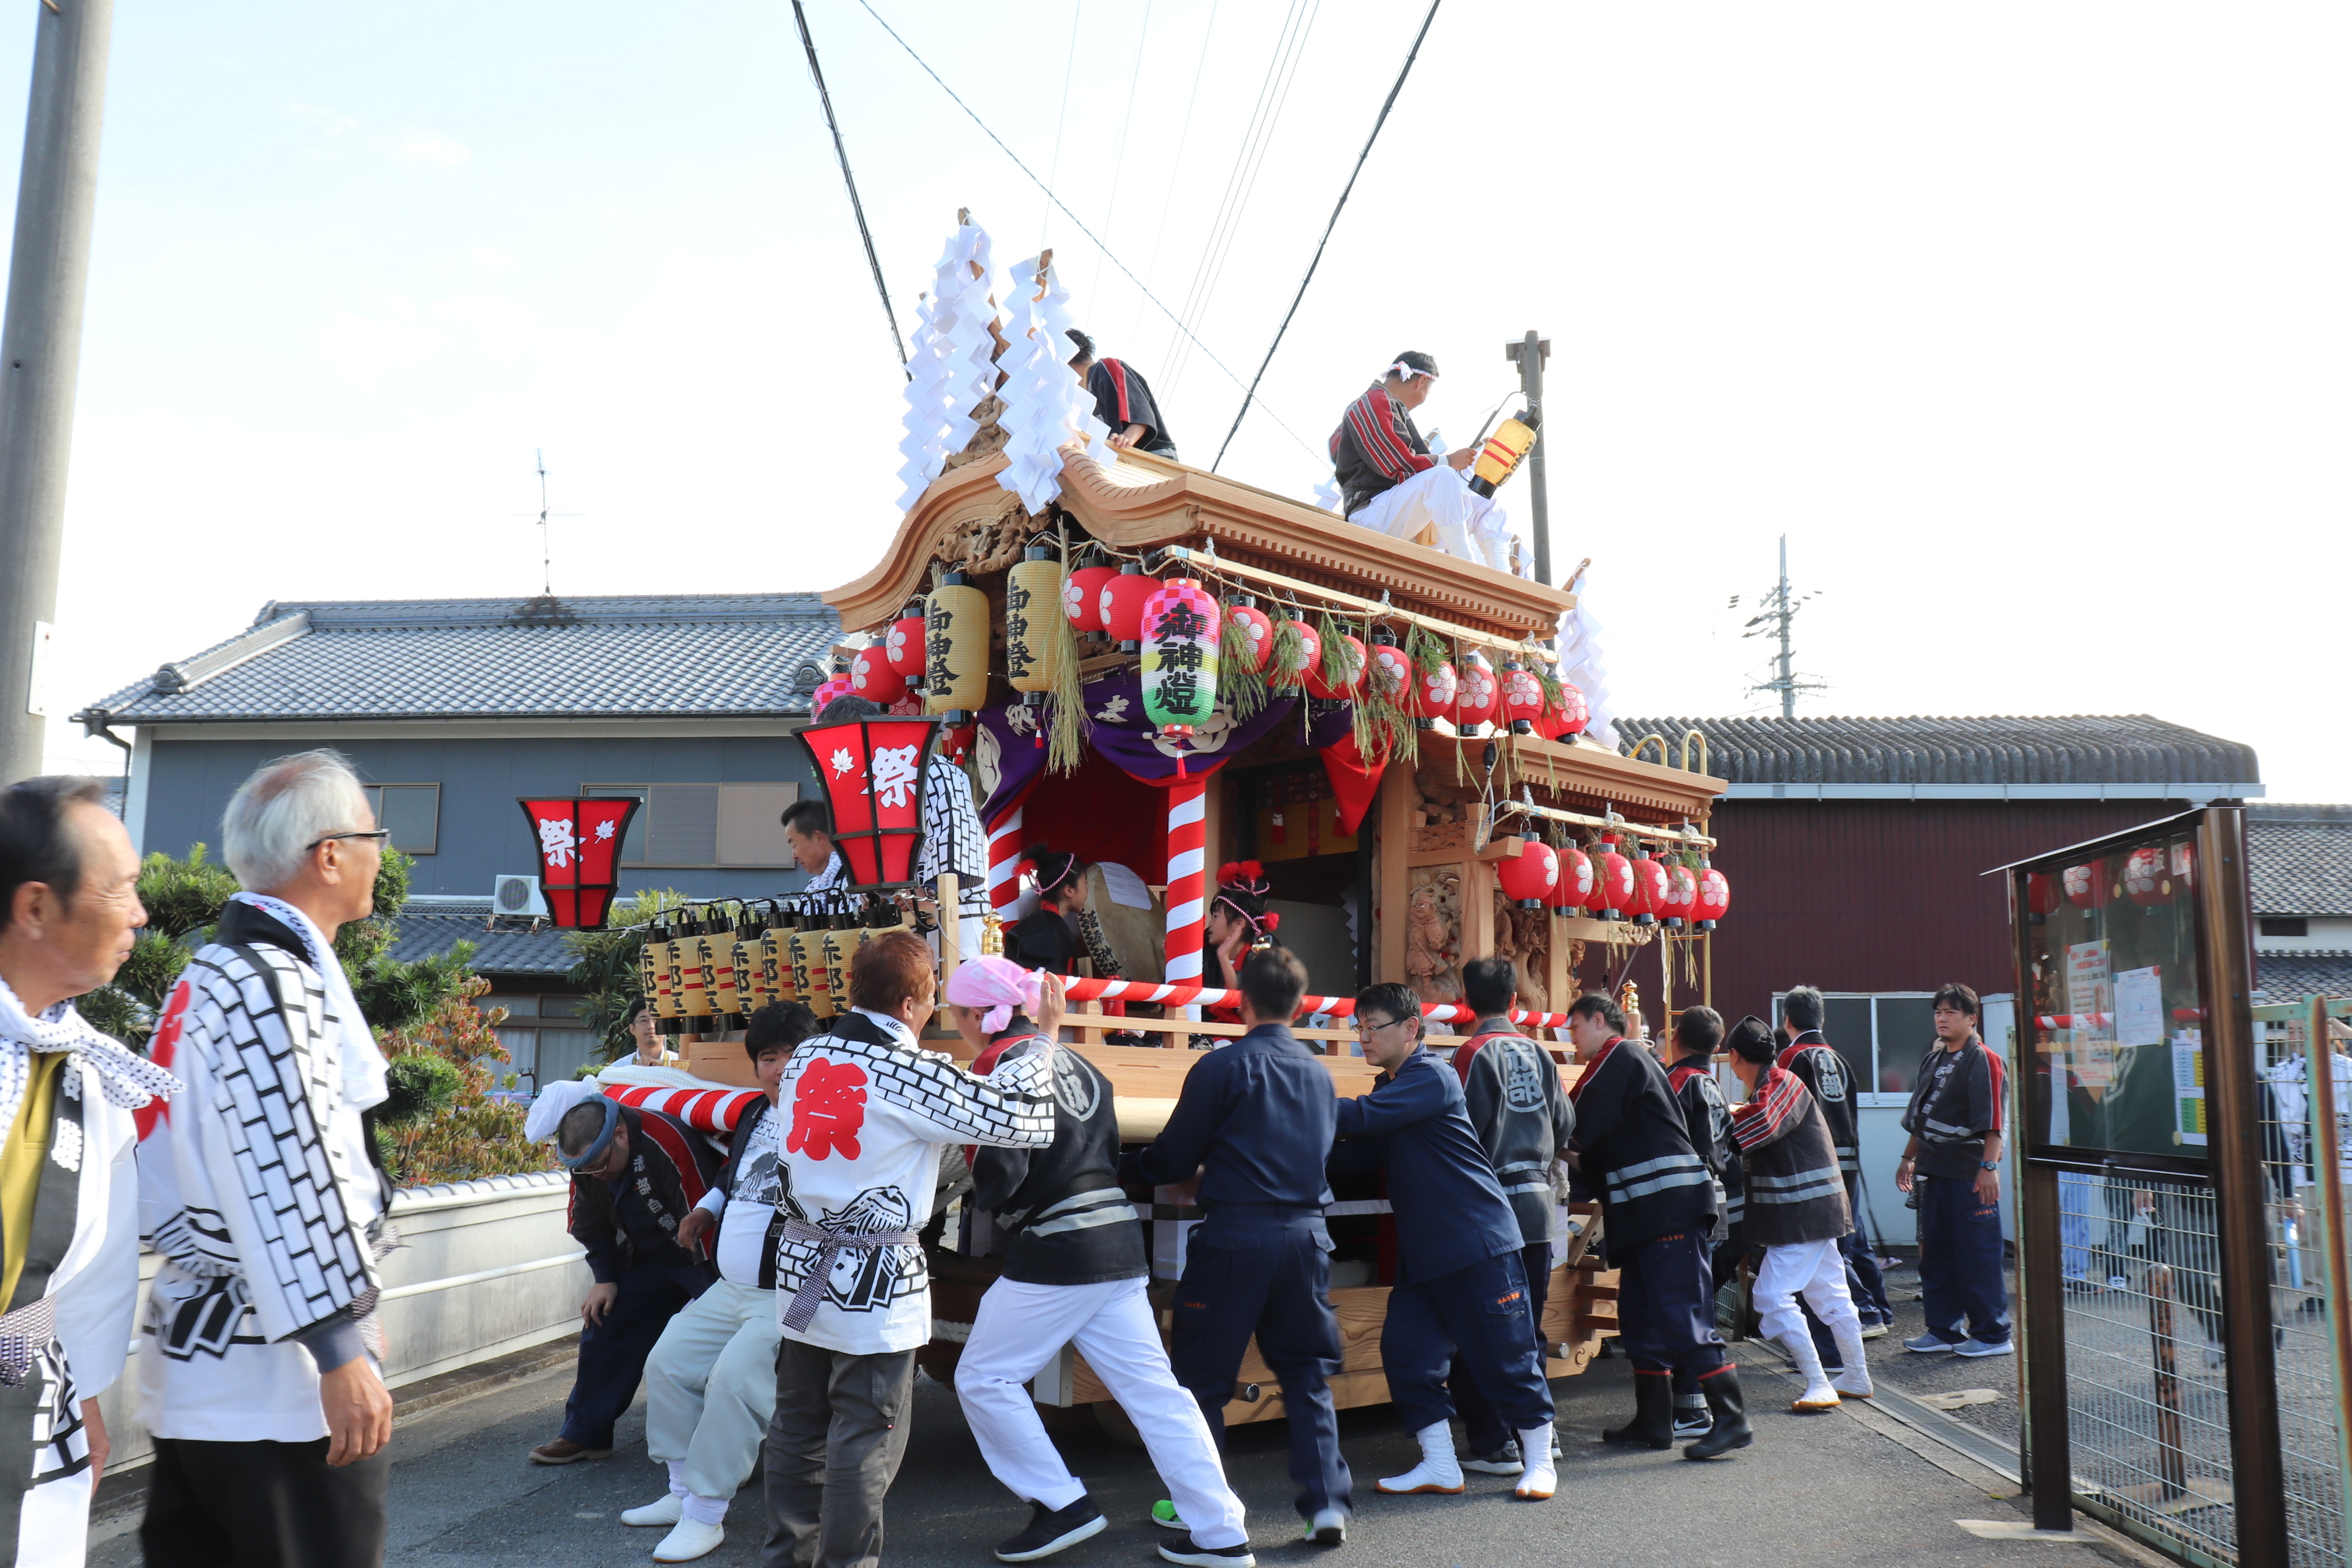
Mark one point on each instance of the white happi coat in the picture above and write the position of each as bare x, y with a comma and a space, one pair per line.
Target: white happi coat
257, 1186
94, 1287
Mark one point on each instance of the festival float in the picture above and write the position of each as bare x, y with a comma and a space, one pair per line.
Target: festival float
1163, 669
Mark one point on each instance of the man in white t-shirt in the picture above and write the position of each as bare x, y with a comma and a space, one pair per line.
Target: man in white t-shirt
710, 1382
869, 1114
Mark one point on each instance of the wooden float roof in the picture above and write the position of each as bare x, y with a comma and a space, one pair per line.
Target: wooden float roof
1142, 501
1582, 778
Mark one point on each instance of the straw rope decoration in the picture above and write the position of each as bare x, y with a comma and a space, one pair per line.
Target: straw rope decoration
1241, 685
1066, 728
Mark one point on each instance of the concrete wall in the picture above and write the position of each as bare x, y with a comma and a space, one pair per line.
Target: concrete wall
482, 832
487, 1267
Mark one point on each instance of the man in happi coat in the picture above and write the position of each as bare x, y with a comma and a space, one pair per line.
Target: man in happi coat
68, 1189
1123, 400
1392, 483
261, 1187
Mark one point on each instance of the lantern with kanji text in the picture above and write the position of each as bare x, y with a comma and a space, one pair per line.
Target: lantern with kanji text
1528, 877
955, 678
874, 772
1181, 628
579, 843
1033, 631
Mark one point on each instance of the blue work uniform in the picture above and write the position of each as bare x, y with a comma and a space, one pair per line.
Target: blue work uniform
1461, 1288
1256, 1118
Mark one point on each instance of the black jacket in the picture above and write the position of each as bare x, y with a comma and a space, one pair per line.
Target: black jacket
1123, 398
1070, 1223
1511, 1093
1259, 1114
1450, 1210
1828, 1079
1795, 1193
1956, 1102
670, 1167
1707, 1118
1634, 1151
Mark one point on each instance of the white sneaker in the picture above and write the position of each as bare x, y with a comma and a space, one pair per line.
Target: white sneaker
1439, 1470
689, 1540
663, 1510
1328, 1528
1538, 1480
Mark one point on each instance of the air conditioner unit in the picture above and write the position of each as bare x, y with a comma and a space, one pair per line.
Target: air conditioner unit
518, 896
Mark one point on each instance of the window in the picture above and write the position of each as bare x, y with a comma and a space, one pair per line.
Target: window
2286, 925
1882, 1038
410, 811
543, 1041
688, 825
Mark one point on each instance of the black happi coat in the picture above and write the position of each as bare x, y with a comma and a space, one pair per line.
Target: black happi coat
1635, 1152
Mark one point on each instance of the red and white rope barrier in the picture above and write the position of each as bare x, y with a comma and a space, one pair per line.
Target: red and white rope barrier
1336, 1006
1188, 901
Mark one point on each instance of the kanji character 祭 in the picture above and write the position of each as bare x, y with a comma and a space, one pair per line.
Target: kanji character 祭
828, 1110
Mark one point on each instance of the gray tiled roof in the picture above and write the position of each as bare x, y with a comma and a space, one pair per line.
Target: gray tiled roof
542, 952
686, 655
2079, 750
2290, 976
2300, 857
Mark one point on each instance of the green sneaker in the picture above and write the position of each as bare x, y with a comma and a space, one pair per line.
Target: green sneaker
1163, 1514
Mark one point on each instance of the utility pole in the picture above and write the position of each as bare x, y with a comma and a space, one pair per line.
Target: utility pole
1775, 619
1529, 353
40, 351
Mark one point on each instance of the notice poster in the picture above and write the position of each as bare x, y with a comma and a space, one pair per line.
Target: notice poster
2188, 1088
2139, 1007
2090, 1015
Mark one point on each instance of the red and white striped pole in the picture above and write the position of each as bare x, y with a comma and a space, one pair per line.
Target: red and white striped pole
1188, 902
1005, 861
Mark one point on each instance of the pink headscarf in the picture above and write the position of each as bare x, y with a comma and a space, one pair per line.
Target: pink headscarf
996, 983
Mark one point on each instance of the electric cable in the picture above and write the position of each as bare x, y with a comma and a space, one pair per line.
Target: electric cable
857, 206
1119, 164
1248, 396
1183, 139
1069, 64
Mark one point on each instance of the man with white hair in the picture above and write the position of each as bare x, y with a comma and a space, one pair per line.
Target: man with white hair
68, 1192
260, 1187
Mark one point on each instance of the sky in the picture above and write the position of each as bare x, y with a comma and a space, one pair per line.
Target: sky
2026, 325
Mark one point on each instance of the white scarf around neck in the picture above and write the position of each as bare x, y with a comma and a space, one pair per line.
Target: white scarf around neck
126, 1078
364, 1073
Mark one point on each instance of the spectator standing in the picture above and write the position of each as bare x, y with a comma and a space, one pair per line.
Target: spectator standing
1953, 1161
710, 1382
1707, 1118
258, 1363
68, 1186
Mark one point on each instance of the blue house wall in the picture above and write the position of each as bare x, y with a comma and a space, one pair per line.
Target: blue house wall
482, 832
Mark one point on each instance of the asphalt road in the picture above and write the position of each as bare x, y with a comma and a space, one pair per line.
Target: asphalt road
1823, 1491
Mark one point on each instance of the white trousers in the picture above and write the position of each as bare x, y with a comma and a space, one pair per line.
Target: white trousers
710, 1387
1816, 1270
1020, 1328
1471, 527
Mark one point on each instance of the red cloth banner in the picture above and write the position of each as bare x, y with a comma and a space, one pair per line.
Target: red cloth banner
579, 844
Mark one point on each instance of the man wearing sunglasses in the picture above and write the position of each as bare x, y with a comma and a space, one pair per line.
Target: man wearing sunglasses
1459, 1305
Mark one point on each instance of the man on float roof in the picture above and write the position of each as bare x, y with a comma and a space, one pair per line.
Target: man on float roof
1391, 483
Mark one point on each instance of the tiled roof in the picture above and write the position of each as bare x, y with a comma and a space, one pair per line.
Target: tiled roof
2300, 857
2290, 977
2081, 753
687, 654
507, 952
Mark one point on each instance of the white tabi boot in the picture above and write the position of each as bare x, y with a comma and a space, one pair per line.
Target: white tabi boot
1439, 1470
1853, 1379
1537, 1481
1818, 1393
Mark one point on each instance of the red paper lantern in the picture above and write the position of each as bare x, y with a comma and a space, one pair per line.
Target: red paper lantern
1122, 605
903, 645
1682, 895
1649, 900
1528, 880
1348, 655
1310, 650
1390, 672
1713, 899
1523, 698
1574, 885
1260, 626
1432, 694
2086, 886
2146, 878
872, 677
873, 773
579, 843
1082, 595
1613, 882
1477, 696
956, 742
1566, 717
2041, 893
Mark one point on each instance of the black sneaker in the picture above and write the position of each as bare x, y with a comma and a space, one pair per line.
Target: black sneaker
1050, 1529
1502, 1461
1187, 1550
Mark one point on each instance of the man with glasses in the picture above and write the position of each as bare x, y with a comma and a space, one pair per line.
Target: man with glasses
1459, 1304
259, 1347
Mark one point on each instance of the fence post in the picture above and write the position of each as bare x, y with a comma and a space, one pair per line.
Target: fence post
2171, 1458
2327, 1169
2049, 1458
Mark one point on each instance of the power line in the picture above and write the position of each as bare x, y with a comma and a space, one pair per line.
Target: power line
1074, 217
1070, 66
1119, 164
1183, 139
1248, 396
850, 180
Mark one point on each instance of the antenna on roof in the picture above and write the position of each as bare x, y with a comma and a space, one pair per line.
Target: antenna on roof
1780, 610
546, 555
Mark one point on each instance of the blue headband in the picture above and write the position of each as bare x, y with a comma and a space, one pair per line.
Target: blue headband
595, 1152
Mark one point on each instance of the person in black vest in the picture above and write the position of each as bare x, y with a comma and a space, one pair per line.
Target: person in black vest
1955, 1119
1796, 1212
1043, 938
1460, 1301
1707, 1118
1254, 1125
1075, 1273
1657, 1209
1830, 1082
1122, 400
1511, 1093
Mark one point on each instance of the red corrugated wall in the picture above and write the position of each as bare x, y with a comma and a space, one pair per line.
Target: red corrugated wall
1880, 895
